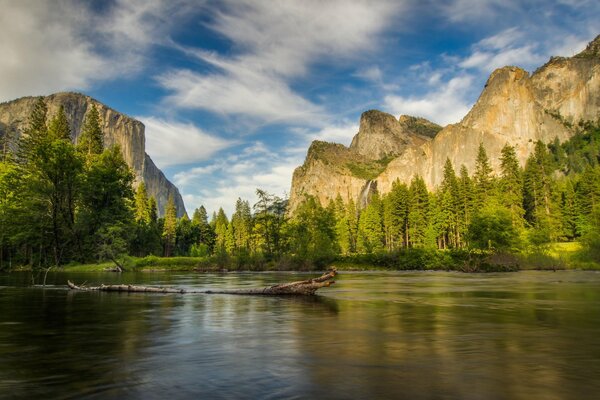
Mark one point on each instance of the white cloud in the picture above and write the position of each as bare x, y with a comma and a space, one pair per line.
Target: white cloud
175, 143
220, 183
445, 105
509, 47
64, 45
275, 43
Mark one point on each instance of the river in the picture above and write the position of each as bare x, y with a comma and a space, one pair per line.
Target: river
412, 335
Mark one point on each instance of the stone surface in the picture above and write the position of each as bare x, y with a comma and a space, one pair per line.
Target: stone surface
118, 128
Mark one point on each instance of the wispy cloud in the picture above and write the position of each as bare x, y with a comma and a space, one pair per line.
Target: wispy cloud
65, 45
273, 45
177, 143
446, 104
219, 183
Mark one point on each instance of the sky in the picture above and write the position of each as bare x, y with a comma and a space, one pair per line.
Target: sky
233, 92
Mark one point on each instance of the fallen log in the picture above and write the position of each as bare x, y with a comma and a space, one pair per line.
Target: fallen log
306, 287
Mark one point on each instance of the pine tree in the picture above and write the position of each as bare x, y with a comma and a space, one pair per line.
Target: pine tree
466, 198
371, 237
450, 208
342, 226
221, 223
91, 139
142, 212
169, 233
35, 132
511, 185
241, 222
352, 217
58, 128
484, 181
418, 212
396, 209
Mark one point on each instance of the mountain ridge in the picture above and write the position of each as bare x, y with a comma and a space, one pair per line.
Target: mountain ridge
514, 107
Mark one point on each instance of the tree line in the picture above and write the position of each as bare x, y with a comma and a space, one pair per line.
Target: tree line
62, 202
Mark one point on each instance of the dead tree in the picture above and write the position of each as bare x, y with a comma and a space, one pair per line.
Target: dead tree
304, 288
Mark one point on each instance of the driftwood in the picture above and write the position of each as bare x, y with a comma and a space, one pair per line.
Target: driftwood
306, 288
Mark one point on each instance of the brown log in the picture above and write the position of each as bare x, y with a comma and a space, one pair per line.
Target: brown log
307, 287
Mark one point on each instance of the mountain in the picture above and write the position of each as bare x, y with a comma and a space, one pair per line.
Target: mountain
515, 108
118, 128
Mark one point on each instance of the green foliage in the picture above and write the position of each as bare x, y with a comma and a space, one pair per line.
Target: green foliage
169, 232
368, 170
91, 138
492, 229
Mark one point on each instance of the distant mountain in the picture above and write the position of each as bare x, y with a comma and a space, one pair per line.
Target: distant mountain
117, 127
514, 108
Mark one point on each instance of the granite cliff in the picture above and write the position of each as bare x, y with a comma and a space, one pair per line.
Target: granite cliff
118, 128
515, 107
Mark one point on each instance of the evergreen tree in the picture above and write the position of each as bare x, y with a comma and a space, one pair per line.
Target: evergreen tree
450, 208
352, 217
396, 207
484, 181
142, 211
169, 232
35, 132
418, 212
241, 228
312, 230
342, 226
221, 224
91, 139
206, 234
511, 185
106, 201
58, 128
466, 194
371, 237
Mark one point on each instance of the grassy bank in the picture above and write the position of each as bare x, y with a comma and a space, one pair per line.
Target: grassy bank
558, 256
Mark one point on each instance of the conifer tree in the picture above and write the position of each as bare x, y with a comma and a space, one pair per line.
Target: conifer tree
450, 208
58, 128
418, 212
342, 226
466, 198
371, 237
241, 222
91, 139
35, 132
221, 224
511, 185
352, 217
169, 233
142, 212
484, 181
396, 209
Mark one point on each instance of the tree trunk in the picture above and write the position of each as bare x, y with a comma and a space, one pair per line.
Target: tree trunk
305, 288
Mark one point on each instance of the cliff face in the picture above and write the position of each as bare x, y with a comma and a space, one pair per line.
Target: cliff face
514, 108
331, 169
118, 128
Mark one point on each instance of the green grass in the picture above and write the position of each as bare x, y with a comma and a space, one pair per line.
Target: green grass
557, 256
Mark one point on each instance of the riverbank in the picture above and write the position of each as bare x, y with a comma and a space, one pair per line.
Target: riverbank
558, 256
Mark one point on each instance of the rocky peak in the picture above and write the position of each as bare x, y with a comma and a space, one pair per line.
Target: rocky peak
592, 49
419, 126
381, 135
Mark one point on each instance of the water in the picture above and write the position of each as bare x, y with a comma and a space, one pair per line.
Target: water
416, 335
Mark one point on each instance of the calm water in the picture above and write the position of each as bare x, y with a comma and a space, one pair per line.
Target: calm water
432, 335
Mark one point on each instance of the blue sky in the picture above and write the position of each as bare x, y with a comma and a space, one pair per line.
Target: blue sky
233, 92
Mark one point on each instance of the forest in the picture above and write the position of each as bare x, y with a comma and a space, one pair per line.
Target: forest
63, 203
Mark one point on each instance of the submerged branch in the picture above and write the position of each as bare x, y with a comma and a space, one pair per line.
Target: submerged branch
307, 287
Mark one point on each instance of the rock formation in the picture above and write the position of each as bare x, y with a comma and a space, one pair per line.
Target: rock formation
331, 169
514, 108
118, 128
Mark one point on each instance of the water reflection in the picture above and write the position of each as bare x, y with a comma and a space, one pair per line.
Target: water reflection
409, 335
